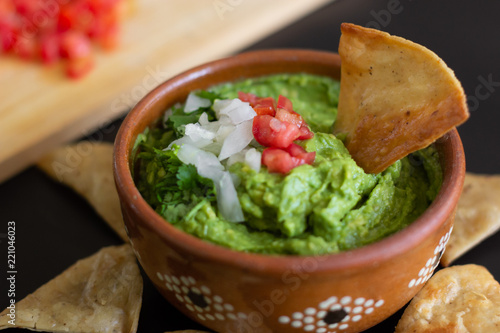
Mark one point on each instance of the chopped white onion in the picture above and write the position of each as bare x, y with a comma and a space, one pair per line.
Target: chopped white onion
210, 171
253, 159
194, 102
213, 148
208, 166
227, 199
212, 126
223, 132
187, 153
220, 104
237, 140
203, 120
187, 140
236, 158
225, 120
196, 132
206, 143
190, 154
237, 111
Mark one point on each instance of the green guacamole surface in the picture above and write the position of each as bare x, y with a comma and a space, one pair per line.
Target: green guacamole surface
327, 207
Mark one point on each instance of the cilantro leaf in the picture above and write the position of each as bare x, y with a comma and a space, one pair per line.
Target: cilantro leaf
208, 95
187, 177
171, 187
178, 120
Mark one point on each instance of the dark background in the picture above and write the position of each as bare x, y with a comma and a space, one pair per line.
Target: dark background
55, 227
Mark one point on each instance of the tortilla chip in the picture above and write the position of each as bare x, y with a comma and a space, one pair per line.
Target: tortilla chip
477, 216
101, 293
87, 168
395, 97
456, 299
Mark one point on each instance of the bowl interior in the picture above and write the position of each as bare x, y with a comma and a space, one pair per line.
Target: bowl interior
253, 64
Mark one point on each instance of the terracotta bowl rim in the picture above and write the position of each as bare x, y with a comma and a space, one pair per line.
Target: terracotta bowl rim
400, 242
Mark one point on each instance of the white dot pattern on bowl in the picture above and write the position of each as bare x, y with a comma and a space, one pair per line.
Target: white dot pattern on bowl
426, 272
332, 315
199, 299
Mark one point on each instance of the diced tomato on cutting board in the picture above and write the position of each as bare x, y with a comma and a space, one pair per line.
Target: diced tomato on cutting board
52, 31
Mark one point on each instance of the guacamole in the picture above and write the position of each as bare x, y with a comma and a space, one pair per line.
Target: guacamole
327, 207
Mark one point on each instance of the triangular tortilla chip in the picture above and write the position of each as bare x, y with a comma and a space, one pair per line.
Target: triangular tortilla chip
477, 216
456, 299
101, 293
87, 167
395, 97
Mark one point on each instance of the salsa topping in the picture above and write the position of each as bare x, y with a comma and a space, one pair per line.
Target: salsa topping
277, 126
63, 30
213, 146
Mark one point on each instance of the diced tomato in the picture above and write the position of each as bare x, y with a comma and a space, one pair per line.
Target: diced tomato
270, 132
265, 106
76, 16
284, 103
103, 5
291, 117
9, 26
6, 8
261, 105
75, 45
266, 101
300, 153
65, 19
305, 133
108, 37
26, 48
277, 160
28, 8
278, 131
264, 110
276, 125
49, 48
284, 160
77, 68
247, 97
7, 40
36, 28
308, 158
295, 150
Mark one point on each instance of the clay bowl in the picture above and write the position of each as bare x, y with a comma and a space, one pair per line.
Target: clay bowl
230, 291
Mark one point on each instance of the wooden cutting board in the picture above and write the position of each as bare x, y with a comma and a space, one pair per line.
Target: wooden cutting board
40, 108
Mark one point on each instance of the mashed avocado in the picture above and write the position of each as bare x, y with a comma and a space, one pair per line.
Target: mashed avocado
327, 207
